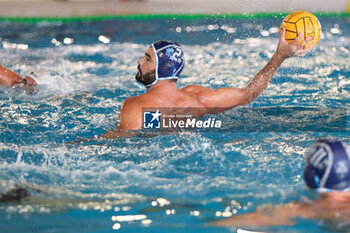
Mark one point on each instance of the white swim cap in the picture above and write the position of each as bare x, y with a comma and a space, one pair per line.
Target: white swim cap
43, 79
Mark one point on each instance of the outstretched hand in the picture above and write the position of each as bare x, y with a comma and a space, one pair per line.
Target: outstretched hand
292, 50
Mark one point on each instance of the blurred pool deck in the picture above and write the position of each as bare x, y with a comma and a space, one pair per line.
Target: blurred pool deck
70, 8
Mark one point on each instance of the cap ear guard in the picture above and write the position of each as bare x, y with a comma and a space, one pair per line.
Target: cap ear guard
311, 178
165, 69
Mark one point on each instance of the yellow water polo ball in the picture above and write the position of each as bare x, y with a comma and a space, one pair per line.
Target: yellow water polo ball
302, 21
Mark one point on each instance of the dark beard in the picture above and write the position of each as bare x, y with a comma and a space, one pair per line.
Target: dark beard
147, 78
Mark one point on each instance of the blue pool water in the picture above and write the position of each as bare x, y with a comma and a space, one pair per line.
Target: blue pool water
156, 182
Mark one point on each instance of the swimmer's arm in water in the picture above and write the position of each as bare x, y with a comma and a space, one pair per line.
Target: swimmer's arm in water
8, 77
222, 99
269, 216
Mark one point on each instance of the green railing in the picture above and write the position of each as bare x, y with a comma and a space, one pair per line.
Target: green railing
162, 16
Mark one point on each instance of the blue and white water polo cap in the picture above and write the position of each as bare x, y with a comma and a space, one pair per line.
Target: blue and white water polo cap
328, 166
170, 60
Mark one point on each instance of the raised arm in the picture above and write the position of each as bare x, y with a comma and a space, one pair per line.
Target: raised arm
8, 77
284, 50
225, 98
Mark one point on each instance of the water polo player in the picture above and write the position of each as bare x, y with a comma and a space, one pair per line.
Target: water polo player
158, 70
161, 66
327, 171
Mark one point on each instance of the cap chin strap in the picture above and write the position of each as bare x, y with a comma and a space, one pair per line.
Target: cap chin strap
145, 87
140, 85
157, 79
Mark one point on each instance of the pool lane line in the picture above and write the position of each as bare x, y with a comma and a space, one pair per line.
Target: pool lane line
165, 16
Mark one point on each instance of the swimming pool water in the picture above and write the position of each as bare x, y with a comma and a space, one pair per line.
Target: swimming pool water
155, 182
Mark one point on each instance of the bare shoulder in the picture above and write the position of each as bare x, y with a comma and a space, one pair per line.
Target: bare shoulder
130, 113
133, 105
132, 100
135, 101
199, 93
195, 89
130, 117
129, 104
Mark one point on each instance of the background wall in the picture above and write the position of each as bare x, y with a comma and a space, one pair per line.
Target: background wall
66, 8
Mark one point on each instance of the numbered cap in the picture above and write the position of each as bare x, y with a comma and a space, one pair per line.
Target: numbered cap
170, 59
